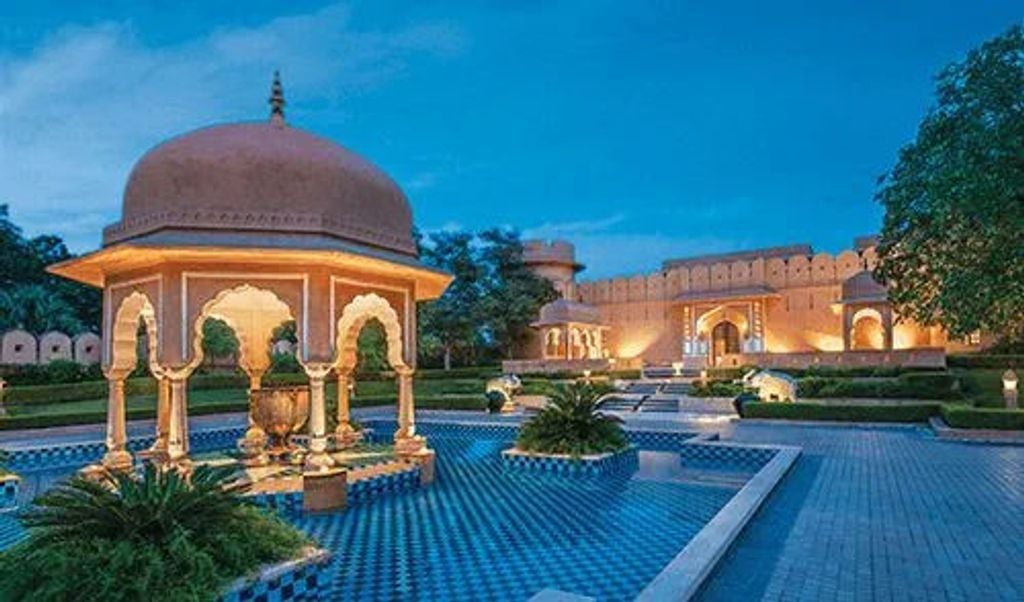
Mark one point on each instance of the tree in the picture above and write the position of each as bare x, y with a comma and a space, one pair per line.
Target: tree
35, 308
23, 262
452, 319
512, 294
372, 348
952, 245
219, 341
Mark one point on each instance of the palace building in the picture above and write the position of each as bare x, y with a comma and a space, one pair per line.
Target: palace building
781, 306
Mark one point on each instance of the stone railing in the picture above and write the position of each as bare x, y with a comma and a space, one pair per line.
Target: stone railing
919, 357
553, 366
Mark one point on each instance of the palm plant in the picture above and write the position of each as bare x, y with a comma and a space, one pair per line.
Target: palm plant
154, 508
572, 424
129, 536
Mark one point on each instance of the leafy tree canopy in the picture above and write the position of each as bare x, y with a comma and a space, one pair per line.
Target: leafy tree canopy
486, 311
32, 299
952, 249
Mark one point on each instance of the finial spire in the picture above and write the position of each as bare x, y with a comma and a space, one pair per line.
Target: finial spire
277, 100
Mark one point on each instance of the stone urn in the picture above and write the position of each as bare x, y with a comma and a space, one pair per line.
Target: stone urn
280, 412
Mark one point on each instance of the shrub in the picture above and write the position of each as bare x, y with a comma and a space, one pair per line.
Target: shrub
742, 400
985, 360
966, 417
909, 385
918, 412
127, 538
284, 363
467, 372
55, 372
572, 424
716, 388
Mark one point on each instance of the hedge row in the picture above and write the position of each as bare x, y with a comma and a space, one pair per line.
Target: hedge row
45, 420
857, 371
909, 385
985, 360
147, 386
55, 372
577, 374
716, 388
842, 413
476, 402
135, 386
966, 417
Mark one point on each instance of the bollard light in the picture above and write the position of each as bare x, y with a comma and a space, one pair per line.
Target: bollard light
586, 375
1010, 388
678, 368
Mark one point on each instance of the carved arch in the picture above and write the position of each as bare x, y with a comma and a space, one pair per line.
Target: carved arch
124, 329
356, 314
276, 310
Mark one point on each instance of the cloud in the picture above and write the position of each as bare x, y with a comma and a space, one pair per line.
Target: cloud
611, 248
567, 229
420, 181
87, 102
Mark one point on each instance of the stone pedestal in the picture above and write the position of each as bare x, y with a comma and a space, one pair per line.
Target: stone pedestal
408, 446
325, 490
426, 459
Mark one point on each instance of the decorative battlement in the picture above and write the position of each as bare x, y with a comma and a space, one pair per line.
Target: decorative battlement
773, 268
553, 252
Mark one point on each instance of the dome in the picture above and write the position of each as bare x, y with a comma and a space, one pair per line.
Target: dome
561, 311
264, 177
862, 286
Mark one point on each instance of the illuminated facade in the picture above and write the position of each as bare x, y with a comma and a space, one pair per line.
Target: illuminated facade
779, 306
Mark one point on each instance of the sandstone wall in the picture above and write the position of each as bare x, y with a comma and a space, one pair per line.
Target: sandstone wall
646, 323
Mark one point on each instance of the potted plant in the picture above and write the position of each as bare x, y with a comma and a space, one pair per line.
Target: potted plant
572, 434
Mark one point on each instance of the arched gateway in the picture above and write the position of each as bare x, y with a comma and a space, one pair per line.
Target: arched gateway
255, 224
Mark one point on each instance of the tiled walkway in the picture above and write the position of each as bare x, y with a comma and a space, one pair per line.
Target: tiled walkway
881, 515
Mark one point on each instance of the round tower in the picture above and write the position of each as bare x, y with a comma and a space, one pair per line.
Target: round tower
554, 260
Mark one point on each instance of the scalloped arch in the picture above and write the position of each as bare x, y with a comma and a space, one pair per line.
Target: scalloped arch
124, 333
360, 310
210, 310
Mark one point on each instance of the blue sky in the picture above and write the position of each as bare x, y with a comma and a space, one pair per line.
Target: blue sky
640, 130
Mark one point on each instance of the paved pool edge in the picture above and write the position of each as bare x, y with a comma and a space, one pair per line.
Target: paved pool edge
682, 578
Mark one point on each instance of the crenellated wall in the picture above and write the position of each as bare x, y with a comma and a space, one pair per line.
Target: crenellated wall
800, 288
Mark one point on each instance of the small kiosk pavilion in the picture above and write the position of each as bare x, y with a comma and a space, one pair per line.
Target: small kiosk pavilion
256, 224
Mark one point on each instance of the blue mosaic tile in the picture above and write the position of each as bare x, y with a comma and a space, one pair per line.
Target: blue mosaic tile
481, 532
80, 454
725, 455
306, 581
621, 463
359, 492
9, 488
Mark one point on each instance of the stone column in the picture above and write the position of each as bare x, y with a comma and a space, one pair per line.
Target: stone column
847, 328
163, 416
406, 440
255, 439
887, 328
117, 456
318, 458
177, 432
344, 434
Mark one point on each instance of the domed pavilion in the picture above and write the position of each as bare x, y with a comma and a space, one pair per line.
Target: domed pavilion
256, 224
